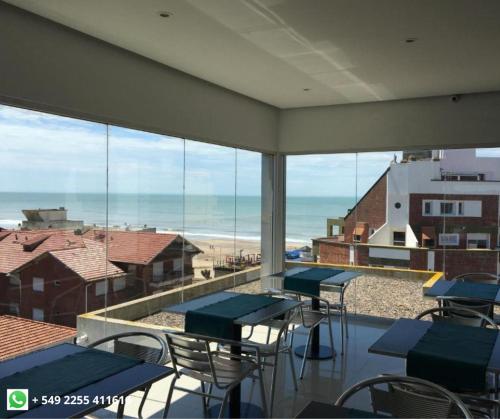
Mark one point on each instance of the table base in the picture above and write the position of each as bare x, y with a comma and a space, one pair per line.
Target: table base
323, 352
247, 410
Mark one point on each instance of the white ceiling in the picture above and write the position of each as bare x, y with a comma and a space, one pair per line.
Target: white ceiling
344, 51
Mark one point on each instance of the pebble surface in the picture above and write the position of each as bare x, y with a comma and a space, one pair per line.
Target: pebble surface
372, 295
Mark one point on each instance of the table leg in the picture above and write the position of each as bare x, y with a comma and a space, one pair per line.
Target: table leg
235, 407
235, 396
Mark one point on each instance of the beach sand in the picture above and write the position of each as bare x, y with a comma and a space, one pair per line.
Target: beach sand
217, 249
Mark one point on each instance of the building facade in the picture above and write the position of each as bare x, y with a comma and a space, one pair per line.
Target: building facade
431, 211
55, 275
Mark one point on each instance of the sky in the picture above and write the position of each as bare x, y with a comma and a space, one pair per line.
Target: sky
47, 153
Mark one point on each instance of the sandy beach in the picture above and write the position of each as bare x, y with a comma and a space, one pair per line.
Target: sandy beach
217, 249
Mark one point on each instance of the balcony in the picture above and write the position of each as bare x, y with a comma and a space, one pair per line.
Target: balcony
375, 300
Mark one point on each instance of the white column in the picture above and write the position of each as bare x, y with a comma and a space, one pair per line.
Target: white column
273, 213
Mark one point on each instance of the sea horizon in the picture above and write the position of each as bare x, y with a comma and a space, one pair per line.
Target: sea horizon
205, 216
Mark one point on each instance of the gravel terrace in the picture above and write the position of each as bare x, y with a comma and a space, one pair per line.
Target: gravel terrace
372, 295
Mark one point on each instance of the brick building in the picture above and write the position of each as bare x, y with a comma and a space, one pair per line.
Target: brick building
439, 212
54, 275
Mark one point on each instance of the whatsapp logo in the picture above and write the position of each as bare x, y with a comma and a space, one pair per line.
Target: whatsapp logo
17, 399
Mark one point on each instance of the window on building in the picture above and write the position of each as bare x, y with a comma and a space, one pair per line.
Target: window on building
446, 208
460, 208
157, 270
119, 284
38, 284
427, 207
132, 269
100, 288
356, 238
14, 280
399, 238
14, 309
178, 265
38, 314
478, 241
449, 239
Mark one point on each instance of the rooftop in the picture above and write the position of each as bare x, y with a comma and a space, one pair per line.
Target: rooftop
19, 336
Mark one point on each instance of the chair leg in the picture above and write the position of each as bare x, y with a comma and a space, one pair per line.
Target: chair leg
330, 330
292, 367
169, 397
268, 335
263, 392
203, 398
342, 329
121, 408
144, 397
273, 386
224, 403
345, 323
305, 353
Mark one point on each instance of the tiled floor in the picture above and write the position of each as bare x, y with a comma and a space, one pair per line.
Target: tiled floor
323, 380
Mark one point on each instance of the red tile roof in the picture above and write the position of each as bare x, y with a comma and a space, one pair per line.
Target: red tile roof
88, 262
13, 253
133, 246
19, 336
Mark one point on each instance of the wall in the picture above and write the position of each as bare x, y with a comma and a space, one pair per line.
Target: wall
48, 67
370, 209
393, 125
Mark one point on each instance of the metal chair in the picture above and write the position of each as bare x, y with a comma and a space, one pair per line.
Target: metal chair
310, 319
270, 352
482, 277
408, 397
192, 356
158, 355
340, 307
476, 304
458, 315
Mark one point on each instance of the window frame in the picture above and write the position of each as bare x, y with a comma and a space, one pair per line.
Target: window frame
40, 284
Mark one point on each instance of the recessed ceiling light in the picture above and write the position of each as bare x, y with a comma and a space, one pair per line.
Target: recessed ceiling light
165, 14
410, 40
306, 89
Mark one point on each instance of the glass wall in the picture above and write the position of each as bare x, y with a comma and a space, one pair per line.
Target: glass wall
93, 215
416, 211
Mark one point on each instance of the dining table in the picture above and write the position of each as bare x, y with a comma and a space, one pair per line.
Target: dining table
279, 308
489, 293
336, 282
68, 380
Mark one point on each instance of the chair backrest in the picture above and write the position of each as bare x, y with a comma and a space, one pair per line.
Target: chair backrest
191, 354
407, 397
458, 315
482, 277
156, 353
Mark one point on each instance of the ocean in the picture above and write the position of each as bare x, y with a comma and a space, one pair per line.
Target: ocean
204, 216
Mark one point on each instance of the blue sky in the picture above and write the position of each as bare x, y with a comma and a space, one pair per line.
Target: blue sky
47, 153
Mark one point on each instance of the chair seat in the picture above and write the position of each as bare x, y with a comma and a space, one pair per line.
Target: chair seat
311, 318
267, 349
226, 370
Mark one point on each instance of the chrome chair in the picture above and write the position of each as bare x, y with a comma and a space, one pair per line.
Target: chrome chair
120, 344
482, 277
193, 356
341, 308
270, 352
458, 315
408, 397
476, 304
310, 319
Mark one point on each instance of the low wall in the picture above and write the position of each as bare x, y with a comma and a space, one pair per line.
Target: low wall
121, 317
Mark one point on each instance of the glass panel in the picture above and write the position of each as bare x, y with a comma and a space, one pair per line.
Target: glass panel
52, 185
248, 217
145, 237
469, 209
210, 207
